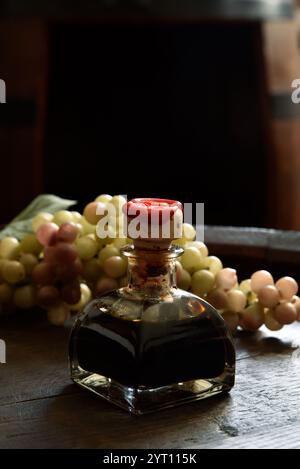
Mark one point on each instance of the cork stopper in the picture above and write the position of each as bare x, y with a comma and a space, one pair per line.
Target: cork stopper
153, 223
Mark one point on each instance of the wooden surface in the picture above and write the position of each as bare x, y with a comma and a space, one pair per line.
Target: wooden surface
250, 249
41, 408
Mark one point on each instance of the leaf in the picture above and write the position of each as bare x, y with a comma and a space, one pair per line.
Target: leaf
21, 224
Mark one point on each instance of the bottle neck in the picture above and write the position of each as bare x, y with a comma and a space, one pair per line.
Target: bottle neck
152, 273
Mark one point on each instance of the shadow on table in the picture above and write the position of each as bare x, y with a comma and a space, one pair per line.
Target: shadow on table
267, 342
85, 421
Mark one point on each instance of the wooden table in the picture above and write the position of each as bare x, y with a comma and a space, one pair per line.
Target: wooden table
41, 408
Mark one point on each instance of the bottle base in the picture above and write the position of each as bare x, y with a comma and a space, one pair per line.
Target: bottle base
142, 400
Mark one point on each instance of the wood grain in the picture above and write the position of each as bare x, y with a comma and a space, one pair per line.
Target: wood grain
41, 408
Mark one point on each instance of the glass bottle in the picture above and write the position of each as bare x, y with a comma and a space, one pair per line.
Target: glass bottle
150, 345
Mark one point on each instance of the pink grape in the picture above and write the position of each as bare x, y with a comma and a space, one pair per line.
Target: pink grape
270, 321
65, 253
90, 212
226, 278
67, 232
217, 298
268, 296
287, 287
50, 254
46, 233
48, 296
260, 279
71, 293
43, 274
69, 272
252, 317
285, 313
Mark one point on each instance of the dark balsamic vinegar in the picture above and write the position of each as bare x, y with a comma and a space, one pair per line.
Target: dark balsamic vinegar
138, 353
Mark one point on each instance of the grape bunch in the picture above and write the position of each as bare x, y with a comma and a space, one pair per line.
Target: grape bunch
62, 264
249, 304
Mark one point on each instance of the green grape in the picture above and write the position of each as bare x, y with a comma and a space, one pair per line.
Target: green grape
104, 198
58, 315
214, 264
236, 301
121, 242
185, 280
29, 244
91, 270
199, 245
62, 216
192, 260
13, 272
6, 293
25, 297
118, 201
87, 228
108, 251
189, 232
40, 219
252, 317
29, 261
9, 248
77, 217
179, 242
87, 247
115, 266
245, 286
203, 282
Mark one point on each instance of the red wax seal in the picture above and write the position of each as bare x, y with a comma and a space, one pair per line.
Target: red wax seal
159, 209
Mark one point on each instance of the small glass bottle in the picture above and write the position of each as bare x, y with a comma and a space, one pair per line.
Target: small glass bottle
150, 345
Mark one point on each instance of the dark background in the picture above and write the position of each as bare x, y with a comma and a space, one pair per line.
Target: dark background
152, 111
165, 100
